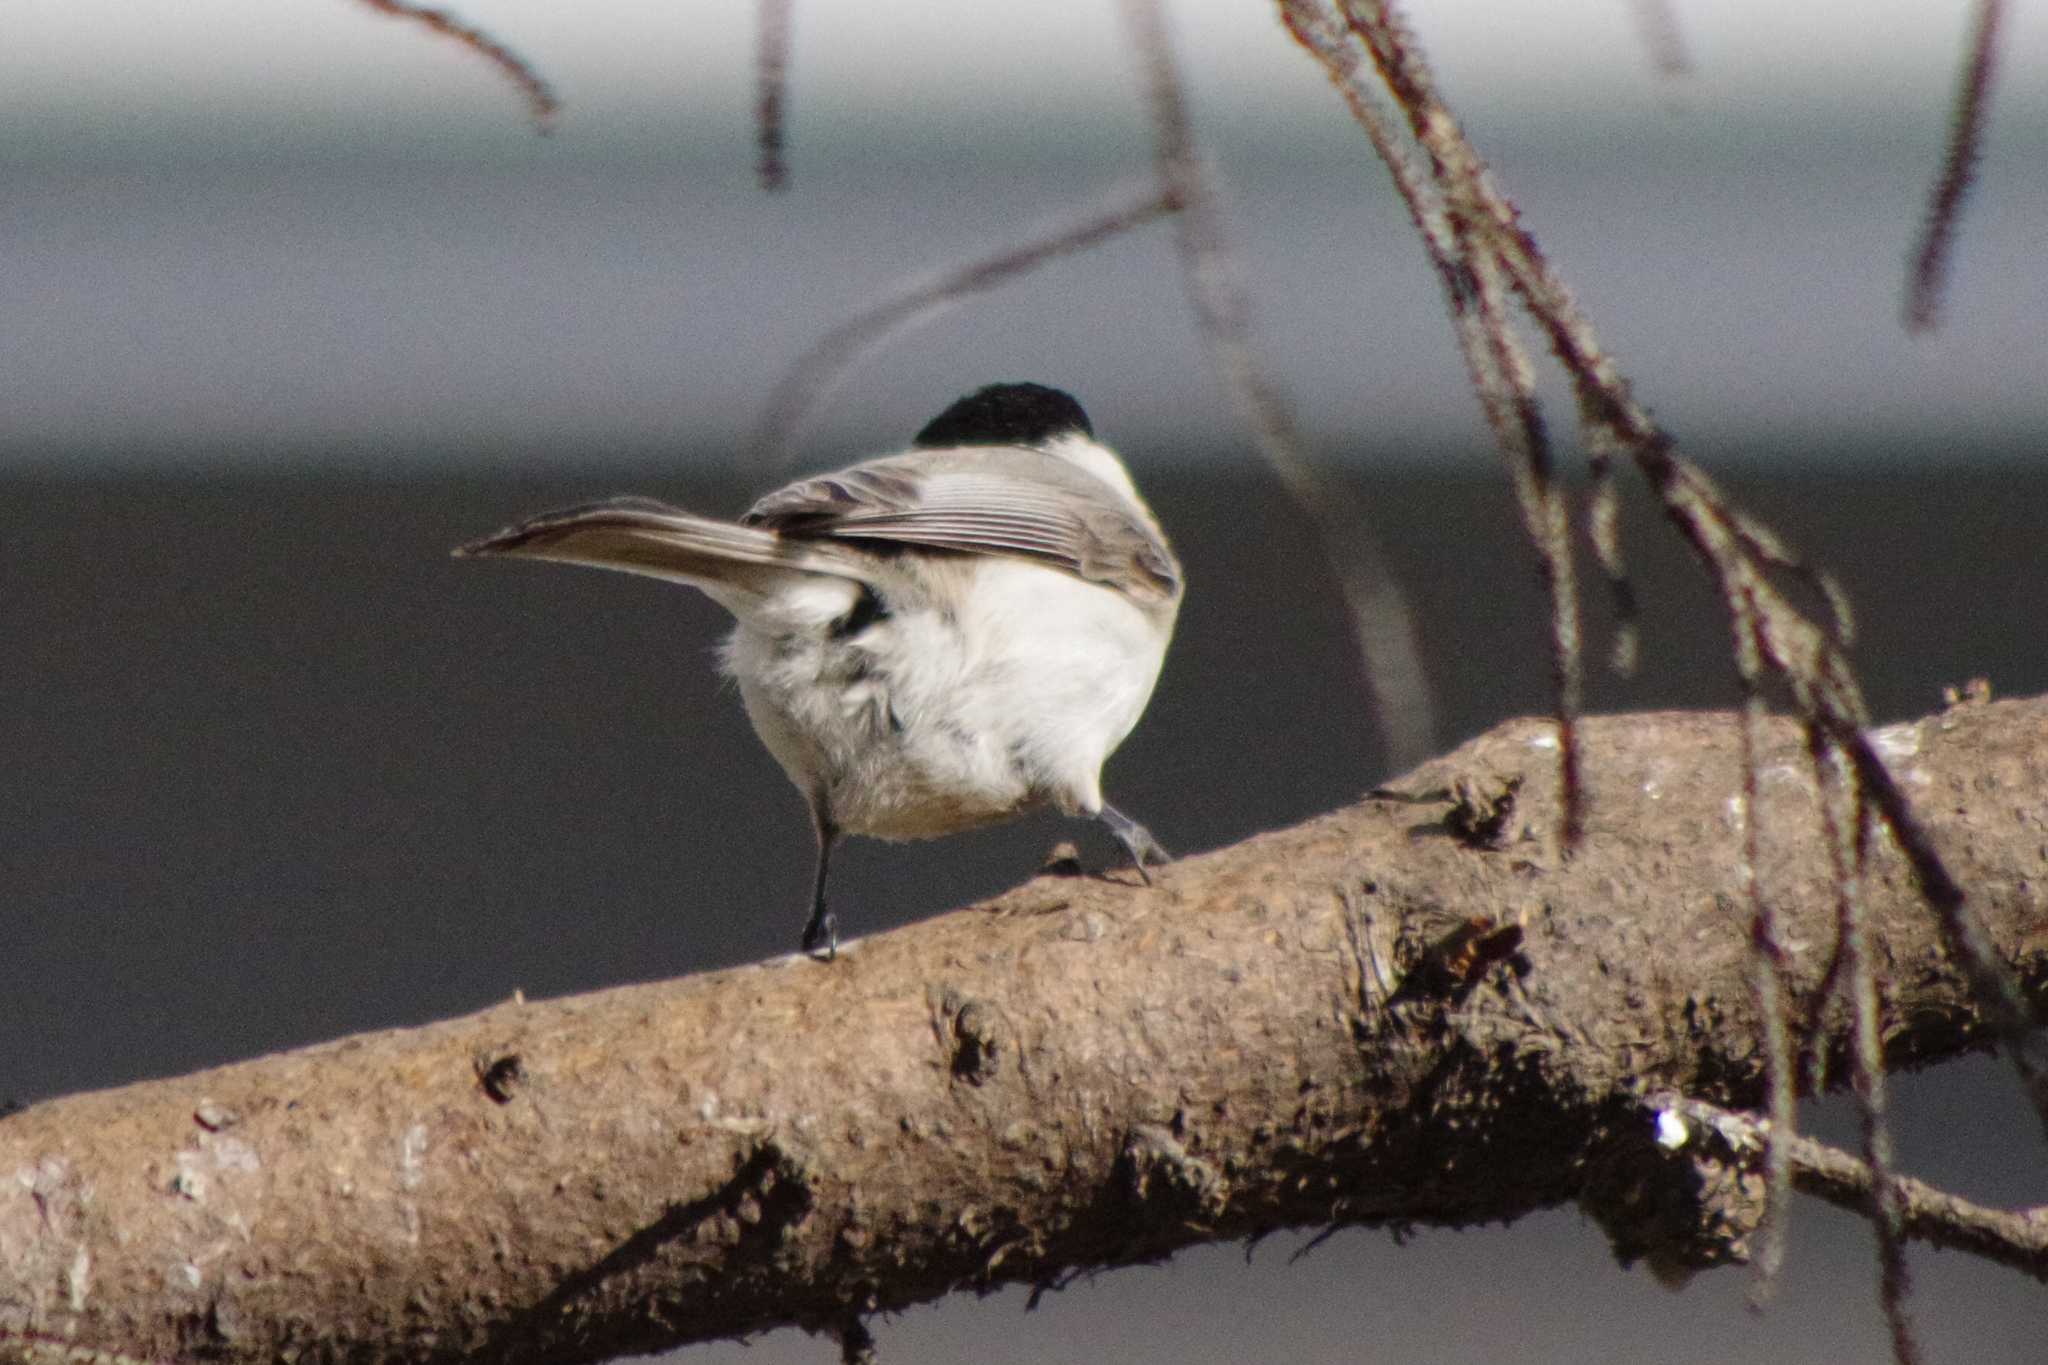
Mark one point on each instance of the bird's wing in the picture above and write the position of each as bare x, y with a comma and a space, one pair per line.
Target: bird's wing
982, 500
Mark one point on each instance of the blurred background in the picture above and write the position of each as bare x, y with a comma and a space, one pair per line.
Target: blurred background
292, 299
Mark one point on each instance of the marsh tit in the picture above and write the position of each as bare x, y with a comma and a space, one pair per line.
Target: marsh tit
928, 642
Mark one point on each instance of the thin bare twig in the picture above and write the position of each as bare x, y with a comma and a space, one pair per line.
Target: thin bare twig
1499, 369
1507, 390
2022, 1040
819, 372
1382, 624
1845, 822
1603, 520
1767, 983
541, 104
1768, 548
1929, 277
2017, 1238
772, 20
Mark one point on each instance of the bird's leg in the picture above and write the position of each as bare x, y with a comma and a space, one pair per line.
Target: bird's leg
1136, 839
821, 935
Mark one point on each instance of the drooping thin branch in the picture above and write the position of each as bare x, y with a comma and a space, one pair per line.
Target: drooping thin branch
2021, 1039
1603, 522
541, 104
1808, 660
1750, 602
1499, 370
1928, 279
1316, 28
1764, 545
1774, 642
772, 26
819, 372
1845, 825
2017, 1238
1507, 390
1382, 622
1768, 968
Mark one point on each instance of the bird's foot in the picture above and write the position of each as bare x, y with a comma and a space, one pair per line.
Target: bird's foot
1137, 841
821, 935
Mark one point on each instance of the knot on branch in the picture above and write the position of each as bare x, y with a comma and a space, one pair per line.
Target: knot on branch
1674, 1198
500, 1074
1483, 817
978, 1035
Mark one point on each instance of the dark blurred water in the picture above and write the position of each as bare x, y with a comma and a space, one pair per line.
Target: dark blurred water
277, 769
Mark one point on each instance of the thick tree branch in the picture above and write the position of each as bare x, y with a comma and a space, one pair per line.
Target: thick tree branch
1412, 1010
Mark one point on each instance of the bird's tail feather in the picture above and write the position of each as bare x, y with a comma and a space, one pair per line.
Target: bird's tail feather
640, 535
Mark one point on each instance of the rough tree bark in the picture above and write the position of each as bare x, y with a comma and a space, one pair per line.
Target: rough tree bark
1406, 1011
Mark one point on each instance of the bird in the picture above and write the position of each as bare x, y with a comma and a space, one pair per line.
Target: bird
930, 641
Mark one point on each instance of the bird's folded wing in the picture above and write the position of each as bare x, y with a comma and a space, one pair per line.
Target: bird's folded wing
991, 501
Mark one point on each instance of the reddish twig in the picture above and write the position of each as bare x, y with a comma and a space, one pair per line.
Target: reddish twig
1845, 821
821, 369
1382, 624
541, 103
1929, 277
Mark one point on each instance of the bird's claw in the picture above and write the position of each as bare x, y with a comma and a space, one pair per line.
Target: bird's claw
1137, 841
821, 935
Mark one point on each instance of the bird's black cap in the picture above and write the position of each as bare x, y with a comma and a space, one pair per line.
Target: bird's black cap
1006, 415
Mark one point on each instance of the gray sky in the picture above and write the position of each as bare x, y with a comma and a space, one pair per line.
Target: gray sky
642, 59
234, 231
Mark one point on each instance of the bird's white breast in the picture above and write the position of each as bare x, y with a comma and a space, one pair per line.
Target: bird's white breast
960, 707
